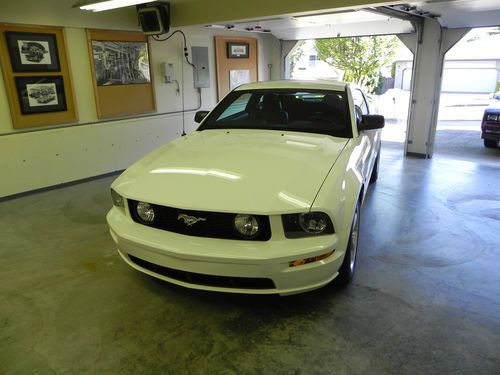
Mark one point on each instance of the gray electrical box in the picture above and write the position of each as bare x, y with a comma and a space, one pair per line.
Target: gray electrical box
201, 73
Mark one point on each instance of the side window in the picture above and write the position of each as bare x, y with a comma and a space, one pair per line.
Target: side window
238, 106
360, 101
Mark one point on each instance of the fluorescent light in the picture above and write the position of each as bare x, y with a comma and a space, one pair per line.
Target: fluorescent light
99, 6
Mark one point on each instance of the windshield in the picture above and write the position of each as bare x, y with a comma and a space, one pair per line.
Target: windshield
311, 111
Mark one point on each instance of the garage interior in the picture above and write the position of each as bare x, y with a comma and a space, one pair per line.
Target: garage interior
425, 298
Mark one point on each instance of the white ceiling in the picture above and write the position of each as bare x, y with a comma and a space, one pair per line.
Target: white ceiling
449, 13
352, 23
463, 13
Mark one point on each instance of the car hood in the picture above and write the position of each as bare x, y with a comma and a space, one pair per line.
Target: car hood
247, 171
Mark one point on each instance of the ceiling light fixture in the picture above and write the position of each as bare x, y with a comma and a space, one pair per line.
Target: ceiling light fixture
99, 6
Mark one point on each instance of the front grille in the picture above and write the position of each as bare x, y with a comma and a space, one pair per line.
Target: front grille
215, 225
203, 279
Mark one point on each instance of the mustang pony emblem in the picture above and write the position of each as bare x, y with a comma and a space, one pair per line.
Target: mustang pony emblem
190, 220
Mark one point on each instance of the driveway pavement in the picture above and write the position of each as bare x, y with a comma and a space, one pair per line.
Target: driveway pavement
458, 133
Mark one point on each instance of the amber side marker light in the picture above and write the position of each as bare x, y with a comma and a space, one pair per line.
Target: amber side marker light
300, 262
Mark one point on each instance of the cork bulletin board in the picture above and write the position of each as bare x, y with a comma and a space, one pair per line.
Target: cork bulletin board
236, 61
37, 75
122, 74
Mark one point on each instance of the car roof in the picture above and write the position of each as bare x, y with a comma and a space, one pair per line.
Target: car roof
294, 84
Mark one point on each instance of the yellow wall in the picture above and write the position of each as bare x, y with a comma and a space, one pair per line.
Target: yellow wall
61, 13
48, 157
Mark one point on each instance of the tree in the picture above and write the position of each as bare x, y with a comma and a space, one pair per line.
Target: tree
360, 57
295, 55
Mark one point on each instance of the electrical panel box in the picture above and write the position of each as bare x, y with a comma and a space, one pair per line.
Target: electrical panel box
168, 72
201, 73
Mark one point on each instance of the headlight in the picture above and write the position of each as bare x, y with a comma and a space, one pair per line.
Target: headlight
146, 212
307, 224
313, 222
118, 200
492, 117
246, 225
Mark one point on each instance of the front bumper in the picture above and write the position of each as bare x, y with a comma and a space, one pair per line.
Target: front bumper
491, 134
490, 129
227, 265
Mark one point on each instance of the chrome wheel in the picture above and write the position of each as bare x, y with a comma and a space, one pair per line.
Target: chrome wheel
346, 271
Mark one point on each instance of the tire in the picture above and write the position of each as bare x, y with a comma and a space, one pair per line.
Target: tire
490, 143
348, 267
374, 176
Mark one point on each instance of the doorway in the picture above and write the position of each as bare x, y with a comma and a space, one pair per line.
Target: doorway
471, 77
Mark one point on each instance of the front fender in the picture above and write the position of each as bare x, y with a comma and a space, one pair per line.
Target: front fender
341, 190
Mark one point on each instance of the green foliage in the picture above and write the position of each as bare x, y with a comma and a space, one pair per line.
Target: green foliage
297, 51
295, 55
393, 69
377, 90
359, 57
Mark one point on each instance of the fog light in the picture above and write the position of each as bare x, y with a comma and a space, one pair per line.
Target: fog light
146, 212
300, 262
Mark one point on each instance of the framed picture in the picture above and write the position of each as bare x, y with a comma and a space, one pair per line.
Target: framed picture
237, 50
120, 62
122, 75
41, 94
32, 52
36, 75
238, 77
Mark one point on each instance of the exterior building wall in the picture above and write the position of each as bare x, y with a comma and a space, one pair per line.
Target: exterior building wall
463, 76
308, 66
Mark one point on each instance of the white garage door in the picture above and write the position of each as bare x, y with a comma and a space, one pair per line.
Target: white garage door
469, 80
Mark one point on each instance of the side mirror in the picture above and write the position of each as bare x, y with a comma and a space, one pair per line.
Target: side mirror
371, 122
200, 115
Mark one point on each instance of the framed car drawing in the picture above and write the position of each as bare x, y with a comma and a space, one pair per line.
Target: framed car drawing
32, 52
41, 94
36, 75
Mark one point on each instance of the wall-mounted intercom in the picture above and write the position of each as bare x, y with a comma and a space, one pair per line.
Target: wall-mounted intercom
167, 70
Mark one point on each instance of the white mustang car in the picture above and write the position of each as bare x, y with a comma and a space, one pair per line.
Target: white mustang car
264, 197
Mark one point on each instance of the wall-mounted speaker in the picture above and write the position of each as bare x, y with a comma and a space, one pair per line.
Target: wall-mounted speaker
154, 18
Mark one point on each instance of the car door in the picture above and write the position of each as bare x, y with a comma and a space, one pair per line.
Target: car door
370, 139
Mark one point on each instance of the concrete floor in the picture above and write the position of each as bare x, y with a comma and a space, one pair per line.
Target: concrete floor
425, 299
